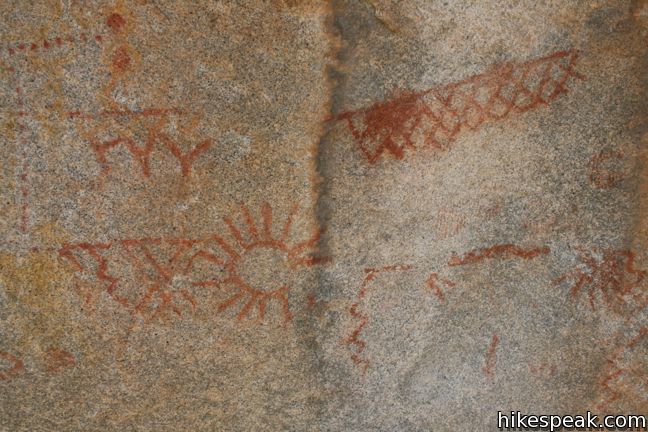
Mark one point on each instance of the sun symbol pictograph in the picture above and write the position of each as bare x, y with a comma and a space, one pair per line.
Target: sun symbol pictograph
260, 264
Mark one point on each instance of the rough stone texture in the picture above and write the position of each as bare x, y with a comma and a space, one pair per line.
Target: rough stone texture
340, 215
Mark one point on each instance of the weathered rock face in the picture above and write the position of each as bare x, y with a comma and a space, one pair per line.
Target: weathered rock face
303, 215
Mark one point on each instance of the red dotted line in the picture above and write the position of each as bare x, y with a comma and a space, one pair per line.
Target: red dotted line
116, 22
46, 44
24, 191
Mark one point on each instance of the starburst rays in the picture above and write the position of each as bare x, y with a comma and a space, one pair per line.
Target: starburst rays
606, 273
246, 236
254, 262
161, 296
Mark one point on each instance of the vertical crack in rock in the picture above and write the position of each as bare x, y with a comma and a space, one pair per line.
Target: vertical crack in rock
314, 332
322, 177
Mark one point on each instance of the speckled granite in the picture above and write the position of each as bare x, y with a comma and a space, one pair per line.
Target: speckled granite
321, 216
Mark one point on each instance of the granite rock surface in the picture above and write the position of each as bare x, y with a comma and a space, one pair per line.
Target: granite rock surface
304, 215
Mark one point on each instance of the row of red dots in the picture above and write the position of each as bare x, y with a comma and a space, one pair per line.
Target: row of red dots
47, 44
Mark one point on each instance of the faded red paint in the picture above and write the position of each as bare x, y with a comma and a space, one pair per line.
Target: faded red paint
491, 357
21, 127
538, 227
33, 47
121, 59
16, 366
24, 214
24, 176
96, 252
503, 251
354, 339
610, 272
543, 369
441, 113
434, 282
602, 173
58, 359
625, 379
448, 223
147, 112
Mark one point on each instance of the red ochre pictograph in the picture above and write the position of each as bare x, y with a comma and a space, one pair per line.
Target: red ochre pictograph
435, 117
354, 342
259, 262
141, 148
55, 361
608, 272
121, 55
147, 112
158, 276
607, 169
435, 283
23, 134
625, 376
52, 43
502, 251
58, 359
543, 369
116, 23
164, 292
491, 357
438, 284
157, 288
20, 50
448, 223
10, 366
